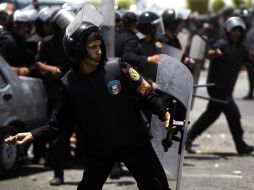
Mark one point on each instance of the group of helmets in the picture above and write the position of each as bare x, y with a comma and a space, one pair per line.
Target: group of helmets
57, 19
148, 20
73, 43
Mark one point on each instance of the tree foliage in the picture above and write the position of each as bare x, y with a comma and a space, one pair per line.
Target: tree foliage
200, 6
124, 3
217, 5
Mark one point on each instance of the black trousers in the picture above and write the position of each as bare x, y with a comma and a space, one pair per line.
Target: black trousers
141, 161
212, 113
60, 150
250, 72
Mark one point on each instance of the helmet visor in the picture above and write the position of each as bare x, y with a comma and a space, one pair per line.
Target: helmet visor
158, 23
87, 14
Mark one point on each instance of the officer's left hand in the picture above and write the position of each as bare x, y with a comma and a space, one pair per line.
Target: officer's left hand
172, 129
167, 119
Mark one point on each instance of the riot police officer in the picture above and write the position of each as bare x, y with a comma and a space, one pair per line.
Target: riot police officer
52, 62
13, 41
98, 98
173, 21
172, 24
245, 14
42, 23
226, 62
147, 26
127, 44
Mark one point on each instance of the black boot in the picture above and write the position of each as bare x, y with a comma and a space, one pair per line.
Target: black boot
188, 146
191, 136
116, 172
248, 97
57, 180
243, 148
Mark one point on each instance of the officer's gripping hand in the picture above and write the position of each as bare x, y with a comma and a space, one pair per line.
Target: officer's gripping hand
55, 71
153, 59
214, 53
23, 71
172, 129
20, 139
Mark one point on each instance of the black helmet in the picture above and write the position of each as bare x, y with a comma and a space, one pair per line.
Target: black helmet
234, 22
170, 19
25, 15
44, 16
246, 15
129, 17
118, 17
244, 12
74, 44
145, 22
173, 18
213, 17
84, 28
60, 19
227, 12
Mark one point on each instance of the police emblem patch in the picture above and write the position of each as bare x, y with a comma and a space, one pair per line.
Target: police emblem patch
134, 74
114, 87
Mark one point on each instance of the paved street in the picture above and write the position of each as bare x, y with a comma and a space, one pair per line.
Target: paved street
216, 167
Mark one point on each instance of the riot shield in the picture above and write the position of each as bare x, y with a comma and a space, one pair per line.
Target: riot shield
171, 51
183, 38
197, 52
175, 80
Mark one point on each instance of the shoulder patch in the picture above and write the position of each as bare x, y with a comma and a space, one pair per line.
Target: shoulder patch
114, 87
134, 74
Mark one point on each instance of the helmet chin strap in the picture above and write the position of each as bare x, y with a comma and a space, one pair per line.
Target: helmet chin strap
92, 61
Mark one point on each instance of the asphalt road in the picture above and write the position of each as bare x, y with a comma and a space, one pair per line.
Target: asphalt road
216, 167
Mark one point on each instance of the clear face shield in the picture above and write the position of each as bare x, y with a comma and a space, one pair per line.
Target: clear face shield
87, 14
158, 23
64, 19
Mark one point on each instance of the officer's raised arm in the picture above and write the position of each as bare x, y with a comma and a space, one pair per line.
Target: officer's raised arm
146, 91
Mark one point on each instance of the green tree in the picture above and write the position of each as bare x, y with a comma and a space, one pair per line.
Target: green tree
217, 5
200, 6
124, 3
238, 3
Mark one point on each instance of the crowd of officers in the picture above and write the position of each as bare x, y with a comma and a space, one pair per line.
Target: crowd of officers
31, 41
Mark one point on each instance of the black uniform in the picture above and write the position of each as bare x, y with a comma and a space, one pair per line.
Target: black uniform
13, 49
52, 52
223, 71
250, 66
174, 41
149, 49
103, 106
128, 48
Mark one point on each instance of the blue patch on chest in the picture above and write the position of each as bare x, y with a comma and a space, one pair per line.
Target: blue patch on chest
114, 87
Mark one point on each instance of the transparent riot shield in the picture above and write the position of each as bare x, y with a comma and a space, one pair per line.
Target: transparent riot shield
197, 52
175, 81
108, 26
171, 51
183, 37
